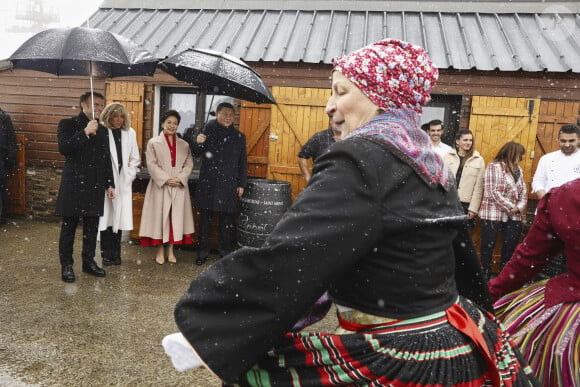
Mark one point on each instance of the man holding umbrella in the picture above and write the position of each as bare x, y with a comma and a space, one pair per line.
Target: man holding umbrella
86, 177
222, 178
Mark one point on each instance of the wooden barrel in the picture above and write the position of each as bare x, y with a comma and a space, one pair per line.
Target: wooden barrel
261, 207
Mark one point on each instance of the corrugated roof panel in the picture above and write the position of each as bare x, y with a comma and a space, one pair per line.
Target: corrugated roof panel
394, 25
504, 55
484, 41
547, 54
240, 41
556, 35
519, 42
456, 44
317, 43
482, 50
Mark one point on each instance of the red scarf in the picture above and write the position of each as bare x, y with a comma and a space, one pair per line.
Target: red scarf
172, 148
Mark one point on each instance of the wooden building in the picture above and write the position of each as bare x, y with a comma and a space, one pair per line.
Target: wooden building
508, 71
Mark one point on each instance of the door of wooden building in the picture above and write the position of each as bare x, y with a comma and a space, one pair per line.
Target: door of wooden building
299, 114
131, 95
553, 115
255, 124
495, 121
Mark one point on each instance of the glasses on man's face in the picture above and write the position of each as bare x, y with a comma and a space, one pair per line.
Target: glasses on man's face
226, 114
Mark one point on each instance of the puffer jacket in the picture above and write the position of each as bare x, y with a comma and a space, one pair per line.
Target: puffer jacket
470, 188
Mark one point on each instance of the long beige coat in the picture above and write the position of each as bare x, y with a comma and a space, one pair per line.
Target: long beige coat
160, 199
470, 188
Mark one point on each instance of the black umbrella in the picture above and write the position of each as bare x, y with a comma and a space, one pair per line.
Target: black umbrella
83, 51
215, 72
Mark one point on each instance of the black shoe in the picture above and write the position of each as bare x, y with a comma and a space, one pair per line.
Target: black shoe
67, 274
116, 261
200, 261
108, 261
92, 269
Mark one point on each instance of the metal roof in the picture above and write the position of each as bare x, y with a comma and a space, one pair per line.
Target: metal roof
536, 41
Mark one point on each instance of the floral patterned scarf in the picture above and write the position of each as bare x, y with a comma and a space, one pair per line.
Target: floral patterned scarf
398, 130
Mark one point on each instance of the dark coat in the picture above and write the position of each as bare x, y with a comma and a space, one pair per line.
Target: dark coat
87, 171
7, 145
366, 228
223, 167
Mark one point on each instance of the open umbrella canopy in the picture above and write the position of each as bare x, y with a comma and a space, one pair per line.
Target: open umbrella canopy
83, 51
215, 72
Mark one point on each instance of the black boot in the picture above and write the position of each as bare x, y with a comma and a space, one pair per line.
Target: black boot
90, 267
67, 273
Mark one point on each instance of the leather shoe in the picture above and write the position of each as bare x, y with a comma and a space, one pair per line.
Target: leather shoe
67, 274
200, 261
92, 269
116, 261
107, 261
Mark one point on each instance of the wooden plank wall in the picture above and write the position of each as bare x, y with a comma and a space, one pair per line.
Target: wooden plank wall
299, 114
553, 114
37, 102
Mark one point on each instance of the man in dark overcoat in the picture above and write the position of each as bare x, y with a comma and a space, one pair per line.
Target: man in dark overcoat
86, 177
7, 157
222, 178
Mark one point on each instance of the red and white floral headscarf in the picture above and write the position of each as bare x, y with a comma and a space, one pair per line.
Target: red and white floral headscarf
393, 74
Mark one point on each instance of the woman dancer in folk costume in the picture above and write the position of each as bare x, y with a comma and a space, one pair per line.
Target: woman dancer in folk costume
544, 317
375, 227
118, 212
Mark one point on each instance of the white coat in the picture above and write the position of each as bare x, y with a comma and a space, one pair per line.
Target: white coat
118, 212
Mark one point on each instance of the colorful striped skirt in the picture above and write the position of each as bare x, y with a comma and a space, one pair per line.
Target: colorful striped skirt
548, 338
462, 346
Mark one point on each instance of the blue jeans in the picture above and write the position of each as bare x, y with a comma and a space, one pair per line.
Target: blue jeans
510, 234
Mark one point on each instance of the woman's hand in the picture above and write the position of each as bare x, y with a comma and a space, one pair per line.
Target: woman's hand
471, 214
173, 182
514, 211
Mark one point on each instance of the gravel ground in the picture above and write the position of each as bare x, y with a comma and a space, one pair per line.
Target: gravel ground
95, 331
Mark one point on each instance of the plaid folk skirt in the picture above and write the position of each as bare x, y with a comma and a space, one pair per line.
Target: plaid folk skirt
462, 346
549, 338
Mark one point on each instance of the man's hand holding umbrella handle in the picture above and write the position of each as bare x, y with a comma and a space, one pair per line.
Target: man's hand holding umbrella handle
111, 193
201, 138
91, 128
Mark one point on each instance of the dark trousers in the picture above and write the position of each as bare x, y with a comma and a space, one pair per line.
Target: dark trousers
2, 200
510, 234
224, 233
110, 244
3, 196
67, 238
470, 222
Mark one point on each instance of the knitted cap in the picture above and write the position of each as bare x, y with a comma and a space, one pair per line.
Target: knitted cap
391, 73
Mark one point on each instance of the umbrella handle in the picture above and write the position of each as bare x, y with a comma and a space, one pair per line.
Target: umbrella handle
207, 117
92, 96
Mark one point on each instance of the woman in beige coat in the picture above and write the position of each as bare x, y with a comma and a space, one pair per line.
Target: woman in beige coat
167, 217
468, 167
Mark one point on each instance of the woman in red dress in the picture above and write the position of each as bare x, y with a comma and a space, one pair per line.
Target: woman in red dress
167, 216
